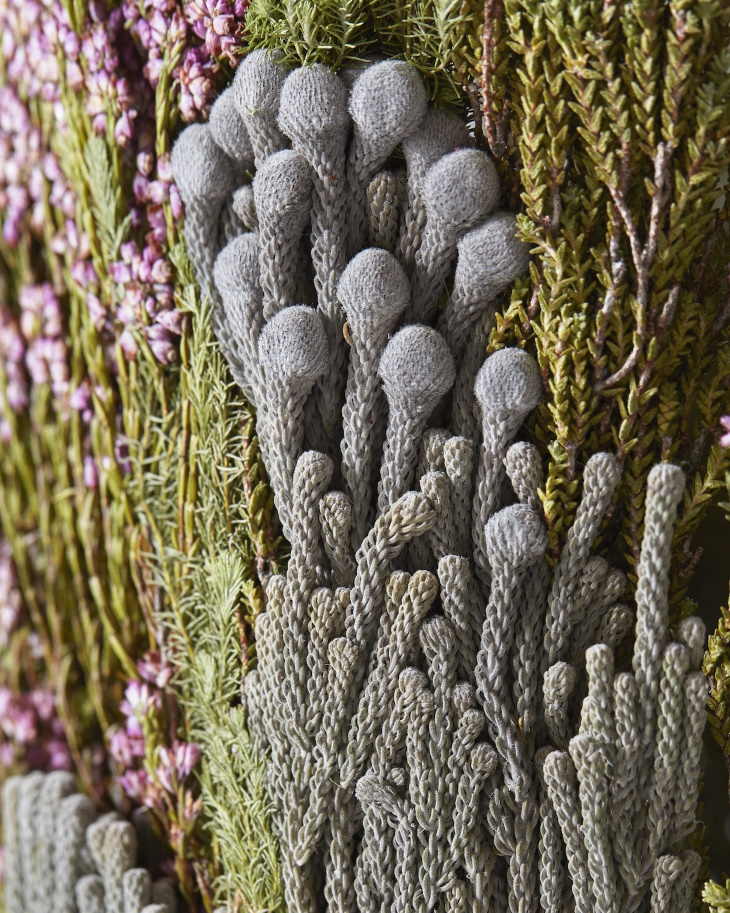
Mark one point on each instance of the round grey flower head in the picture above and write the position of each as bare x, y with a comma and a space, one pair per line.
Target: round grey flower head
257, 85
559, 681
461, 189
282, 189
417, 368
313, 106
373, 290
438, 133
387, 102
229, 131
509, 386
491, 256
244, 206
412, 680
237, 266
463, 697
516, 537
602, 471
201, 168
293, 345
483, 758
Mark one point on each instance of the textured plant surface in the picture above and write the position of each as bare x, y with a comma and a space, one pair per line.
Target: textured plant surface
138, 527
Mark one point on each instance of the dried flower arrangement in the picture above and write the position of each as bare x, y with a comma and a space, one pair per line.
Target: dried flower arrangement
400, 712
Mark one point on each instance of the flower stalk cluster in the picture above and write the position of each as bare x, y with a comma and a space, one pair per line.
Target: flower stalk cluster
420, 671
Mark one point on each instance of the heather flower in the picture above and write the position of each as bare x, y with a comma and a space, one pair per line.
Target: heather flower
725, 438
154, 669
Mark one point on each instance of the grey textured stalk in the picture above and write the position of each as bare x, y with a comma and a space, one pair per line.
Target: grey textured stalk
523, 465
14, 902
559, 775
313, 114
460, 190
616, 625
438, 133
558, 686
387, 102
374, 292
664, 493
600, 478
526, 652
481, 763
417, 370
507, 388
282, 192
385, 198
669, 747
335, 513
311, 479
236, 276
597, 718
691, 632
551, 866
464, 408
515, 538
459, 466
256, 89
136, 889
422, 787
119, 855
244, 207
436, 487
28, 819
623, 809
411, 682
390, 659
590, 764
294, 352
430, 459
667, 871
688, 782
456, 583
490, 257
204, 176
58, 785
90, 894
75, 814
600, 615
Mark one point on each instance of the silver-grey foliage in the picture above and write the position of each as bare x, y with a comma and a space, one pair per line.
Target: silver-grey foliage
446, 724
62, 857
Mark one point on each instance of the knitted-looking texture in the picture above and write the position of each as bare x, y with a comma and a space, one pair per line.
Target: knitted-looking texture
62, 857
444, 725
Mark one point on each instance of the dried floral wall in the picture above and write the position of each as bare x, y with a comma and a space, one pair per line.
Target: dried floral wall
138, 526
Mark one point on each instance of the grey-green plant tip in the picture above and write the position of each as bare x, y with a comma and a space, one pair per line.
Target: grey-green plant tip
387, 102
373, 289
461, 189
491, 256
417, 368
257, 84
313, 105
201, 168
282, 188
293, 345
509, 385
237, 266
516, 536
229, 131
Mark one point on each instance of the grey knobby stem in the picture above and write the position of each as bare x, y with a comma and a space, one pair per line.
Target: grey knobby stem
256, 89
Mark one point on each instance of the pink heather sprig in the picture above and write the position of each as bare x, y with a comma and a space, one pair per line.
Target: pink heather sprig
725, 438
32, 734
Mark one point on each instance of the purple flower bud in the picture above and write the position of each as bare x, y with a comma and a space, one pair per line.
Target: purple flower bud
187, 755
161, 343
91, 477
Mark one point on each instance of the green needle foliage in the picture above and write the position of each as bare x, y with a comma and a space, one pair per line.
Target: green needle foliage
205, 541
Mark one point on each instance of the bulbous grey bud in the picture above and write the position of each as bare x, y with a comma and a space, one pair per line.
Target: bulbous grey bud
461, 189
508, 386
282, 187
374, 292
256, 90
387, 102
516, 536
229, 131
293, 346
245, 208
313, 106
417, 369
491, 255
202, 170
237, 266
438, 133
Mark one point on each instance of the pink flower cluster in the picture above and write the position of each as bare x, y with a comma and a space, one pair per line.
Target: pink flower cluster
725, 438
168, 27
162, 786
11, 603
32, 734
